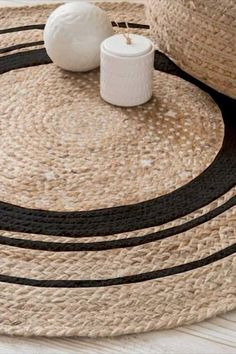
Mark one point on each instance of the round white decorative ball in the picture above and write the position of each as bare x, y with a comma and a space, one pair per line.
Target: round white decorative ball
73, 34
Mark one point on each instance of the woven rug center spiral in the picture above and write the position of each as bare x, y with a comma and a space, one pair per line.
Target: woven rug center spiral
63, 148
164, 262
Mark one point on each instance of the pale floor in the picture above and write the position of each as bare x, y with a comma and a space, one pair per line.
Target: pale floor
215, 336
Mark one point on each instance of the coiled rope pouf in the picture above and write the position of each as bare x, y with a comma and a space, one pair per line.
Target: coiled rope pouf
200, 37
113, 220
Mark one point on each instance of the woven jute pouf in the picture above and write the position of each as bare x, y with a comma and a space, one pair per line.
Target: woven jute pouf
113, 220
200, 36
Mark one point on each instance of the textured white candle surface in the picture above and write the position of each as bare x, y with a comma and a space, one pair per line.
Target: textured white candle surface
127, 70
117, 45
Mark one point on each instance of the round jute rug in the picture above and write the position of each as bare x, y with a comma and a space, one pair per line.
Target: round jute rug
113, 220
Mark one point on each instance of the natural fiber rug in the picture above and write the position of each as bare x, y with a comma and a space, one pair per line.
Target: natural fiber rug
113, 220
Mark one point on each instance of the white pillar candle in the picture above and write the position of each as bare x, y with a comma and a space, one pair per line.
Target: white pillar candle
127, 70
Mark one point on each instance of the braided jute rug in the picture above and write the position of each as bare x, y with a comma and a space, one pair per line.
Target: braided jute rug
113, 220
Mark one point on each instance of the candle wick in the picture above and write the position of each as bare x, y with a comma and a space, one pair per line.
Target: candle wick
127, 34
128, 39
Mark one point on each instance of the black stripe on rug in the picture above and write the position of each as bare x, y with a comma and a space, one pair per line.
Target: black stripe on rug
157, 274
122, 243
20, 46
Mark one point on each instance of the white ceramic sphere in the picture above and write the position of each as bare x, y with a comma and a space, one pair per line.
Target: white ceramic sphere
73, 35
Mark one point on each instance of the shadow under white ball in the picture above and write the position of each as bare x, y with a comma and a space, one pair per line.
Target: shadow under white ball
73, 35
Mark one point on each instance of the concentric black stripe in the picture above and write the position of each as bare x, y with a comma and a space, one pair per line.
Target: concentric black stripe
20, 46
122, 280
130, 25
210, 185
23, 59
42, 25
122, 243
22, 28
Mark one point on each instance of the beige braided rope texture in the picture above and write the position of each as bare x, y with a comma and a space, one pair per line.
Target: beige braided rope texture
200, 37
132, 144
132, 308
92, 161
